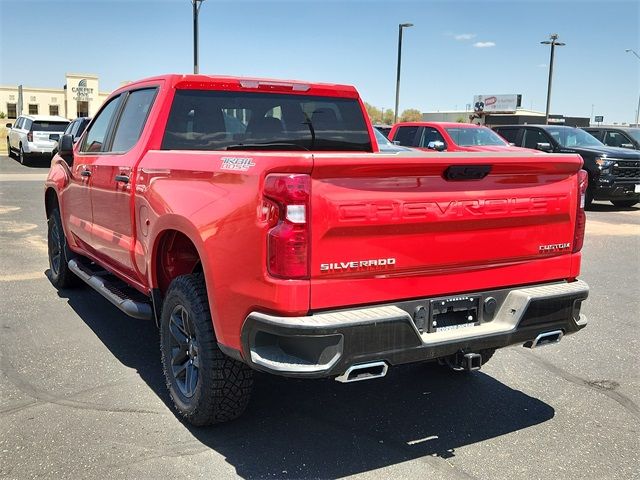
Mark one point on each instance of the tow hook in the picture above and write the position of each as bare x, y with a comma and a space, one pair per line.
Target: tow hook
464, 361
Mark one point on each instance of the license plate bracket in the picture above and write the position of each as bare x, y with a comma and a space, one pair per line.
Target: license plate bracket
452, 313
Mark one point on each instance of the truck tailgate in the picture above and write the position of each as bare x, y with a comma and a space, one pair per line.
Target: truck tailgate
410, 225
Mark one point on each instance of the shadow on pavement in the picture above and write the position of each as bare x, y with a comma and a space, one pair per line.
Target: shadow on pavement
320, 428
609, 207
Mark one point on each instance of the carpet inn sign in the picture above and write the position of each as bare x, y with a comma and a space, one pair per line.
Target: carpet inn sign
496, 103
82, 92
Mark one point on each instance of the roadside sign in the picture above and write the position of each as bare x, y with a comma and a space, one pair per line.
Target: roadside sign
599, 118
496, 103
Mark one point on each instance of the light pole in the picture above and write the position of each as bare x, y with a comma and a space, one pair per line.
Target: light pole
400, 27
630, 50
552, 41
196, 9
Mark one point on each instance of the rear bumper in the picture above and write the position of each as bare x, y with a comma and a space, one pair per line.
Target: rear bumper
326, 344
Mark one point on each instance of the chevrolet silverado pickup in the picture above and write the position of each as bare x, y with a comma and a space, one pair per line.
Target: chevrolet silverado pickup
257, 222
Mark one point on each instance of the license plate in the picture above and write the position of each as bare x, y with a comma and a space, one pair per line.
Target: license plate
637, 188
452, 313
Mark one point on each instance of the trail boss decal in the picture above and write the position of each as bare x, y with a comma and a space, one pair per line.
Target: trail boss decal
377, 263
236, 163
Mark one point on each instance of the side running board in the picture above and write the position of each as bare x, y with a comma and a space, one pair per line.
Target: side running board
128, 300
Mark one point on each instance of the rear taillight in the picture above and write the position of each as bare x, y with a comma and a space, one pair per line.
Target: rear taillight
30, 136
581, 218
285, 208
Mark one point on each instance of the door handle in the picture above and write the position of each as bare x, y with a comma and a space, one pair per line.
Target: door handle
122, 178
85, 173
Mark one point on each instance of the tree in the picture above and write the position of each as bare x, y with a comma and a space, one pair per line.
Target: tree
411, 115
375, 114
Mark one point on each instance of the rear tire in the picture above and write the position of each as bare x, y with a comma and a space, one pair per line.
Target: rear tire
625, 203
59, 254
9, 151
205, 385
24, 159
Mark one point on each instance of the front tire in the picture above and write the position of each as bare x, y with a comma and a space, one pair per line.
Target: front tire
205, 385
625, 203
59, 254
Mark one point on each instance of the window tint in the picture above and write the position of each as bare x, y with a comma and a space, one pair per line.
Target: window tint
474, 136
95, 138
26, 124
430, 135
19, 122
49, 126
406, 136
615, 139
509, 134
70, 127
533, 137
214, 120
133, 119
595, 133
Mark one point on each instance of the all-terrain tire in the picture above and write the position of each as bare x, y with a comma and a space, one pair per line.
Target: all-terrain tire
205, 385
625, 203
9, 151
59, 254
23, 157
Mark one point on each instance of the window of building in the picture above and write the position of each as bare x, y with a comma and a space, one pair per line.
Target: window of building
54, 109
82, 109
33, 109
97, 134
132, 119
12, 110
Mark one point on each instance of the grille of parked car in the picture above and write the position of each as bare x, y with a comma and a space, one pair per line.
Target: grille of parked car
626, 168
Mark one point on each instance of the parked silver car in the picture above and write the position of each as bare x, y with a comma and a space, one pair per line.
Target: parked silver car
32, 135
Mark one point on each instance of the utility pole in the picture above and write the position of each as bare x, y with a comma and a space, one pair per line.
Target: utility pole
196, 10
630, 50
400, 27
552, 41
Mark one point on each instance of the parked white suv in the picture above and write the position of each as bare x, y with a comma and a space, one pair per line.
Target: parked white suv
33, 135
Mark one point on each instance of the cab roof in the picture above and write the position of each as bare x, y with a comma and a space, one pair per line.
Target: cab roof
229, 83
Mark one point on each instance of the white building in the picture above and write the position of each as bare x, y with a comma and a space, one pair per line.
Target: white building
79, 97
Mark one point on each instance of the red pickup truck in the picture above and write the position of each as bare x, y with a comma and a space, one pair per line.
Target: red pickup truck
258, 224
451, 137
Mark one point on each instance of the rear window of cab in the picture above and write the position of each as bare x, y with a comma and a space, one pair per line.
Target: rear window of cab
221, 120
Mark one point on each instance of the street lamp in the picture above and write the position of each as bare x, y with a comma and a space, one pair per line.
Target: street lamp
552, 41
630, 50
400, 27
196, 9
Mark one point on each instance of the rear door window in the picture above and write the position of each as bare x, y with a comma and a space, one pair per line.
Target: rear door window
26, 124
95, 140
406, 136
216, 120
509, 134
133, 118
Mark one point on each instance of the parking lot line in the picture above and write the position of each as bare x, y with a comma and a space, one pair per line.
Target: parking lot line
23, 177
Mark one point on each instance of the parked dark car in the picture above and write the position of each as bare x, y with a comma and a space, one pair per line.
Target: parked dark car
75, 129
623, 137
614, 173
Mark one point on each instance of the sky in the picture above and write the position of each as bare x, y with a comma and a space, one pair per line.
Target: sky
455, 50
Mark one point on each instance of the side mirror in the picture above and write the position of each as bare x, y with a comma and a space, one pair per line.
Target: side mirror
545, 147
65, 148
8, 125
626, 145
436, 145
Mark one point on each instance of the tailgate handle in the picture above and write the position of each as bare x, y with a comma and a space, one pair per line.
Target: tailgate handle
467, 172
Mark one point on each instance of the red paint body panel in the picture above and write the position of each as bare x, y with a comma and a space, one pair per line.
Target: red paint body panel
444, 236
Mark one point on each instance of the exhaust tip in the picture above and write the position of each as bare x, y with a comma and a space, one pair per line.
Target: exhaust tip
364, 371
546, 338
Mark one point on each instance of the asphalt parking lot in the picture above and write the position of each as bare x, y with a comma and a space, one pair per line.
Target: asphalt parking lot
82, 393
